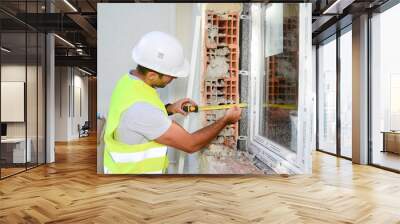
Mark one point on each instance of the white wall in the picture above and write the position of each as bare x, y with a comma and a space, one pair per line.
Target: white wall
119, 28
66, 121
115, 43
80, 83
61, 103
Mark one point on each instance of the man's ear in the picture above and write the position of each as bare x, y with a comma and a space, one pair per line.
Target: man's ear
152, 75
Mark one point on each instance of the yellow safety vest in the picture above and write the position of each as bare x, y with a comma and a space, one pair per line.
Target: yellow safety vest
119, 158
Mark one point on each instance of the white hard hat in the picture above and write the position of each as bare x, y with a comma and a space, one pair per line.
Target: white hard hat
162, 53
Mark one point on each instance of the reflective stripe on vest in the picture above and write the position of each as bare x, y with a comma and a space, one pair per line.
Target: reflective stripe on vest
120, 158
106, 171
138, 156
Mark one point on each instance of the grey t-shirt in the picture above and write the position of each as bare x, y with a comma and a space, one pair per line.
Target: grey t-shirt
141, 123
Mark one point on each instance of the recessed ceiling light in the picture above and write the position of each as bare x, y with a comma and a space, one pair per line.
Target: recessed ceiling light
70, 5
64, 40
84, 71
5, 50
337, 7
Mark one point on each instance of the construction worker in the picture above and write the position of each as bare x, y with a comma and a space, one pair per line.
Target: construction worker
138, 129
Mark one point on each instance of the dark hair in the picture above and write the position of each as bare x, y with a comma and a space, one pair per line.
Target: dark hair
143, 70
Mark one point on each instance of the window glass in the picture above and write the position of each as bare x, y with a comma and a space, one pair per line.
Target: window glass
15, 150
385, 89
346, 94
327, 97
22, 89
31, 100
278, 121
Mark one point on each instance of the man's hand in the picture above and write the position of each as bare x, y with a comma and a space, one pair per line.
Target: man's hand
232, 115
179, 138
177, 106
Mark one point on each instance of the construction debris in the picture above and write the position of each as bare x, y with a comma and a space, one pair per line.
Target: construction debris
218, 67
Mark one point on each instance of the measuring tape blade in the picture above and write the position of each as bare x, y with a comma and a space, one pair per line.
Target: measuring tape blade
221, 107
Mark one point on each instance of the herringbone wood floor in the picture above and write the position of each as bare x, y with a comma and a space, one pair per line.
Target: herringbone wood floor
70, 191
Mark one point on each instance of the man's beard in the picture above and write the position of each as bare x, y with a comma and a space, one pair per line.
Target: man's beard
160, 85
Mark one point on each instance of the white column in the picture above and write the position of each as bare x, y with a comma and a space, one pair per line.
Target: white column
50, 101
360, 90
50, 92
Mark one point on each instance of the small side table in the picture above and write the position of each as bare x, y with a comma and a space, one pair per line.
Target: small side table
391, 141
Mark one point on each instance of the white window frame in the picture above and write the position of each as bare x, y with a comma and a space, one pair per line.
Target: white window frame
272, 154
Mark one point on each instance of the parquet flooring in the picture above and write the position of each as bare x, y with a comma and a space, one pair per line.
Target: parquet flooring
70, 191
10, 171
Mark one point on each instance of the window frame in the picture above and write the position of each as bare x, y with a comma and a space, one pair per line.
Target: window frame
271, 153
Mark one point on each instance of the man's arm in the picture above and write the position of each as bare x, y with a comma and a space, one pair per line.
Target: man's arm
179, 138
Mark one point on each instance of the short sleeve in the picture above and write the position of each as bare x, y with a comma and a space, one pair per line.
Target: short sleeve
146, 120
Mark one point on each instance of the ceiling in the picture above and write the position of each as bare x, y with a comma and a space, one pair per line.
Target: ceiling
329, 16
75, 21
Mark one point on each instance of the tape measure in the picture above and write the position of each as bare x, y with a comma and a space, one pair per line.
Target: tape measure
192, 108
195, 108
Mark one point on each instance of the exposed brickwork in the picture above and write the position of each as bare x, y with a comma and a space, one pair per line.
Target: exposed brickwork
221, 67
